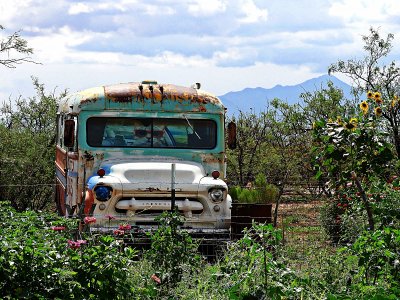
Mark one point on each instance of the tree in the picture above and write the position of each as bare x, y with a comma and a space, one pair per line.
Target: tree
278, 142
372, 74
27, 149
11, 45
244, 161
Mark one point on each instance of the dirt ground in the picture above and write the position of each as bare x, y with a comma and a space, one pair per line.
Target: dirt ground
299, 214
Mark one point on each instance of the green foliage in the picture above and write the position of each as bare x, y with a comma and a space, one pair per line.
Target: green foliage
251, 268
372, 73
173, 252
277, 142
244, 161
10, 49
356, 144
378, 255
27, 132
262, 192
267, 193
348, 152
38, 262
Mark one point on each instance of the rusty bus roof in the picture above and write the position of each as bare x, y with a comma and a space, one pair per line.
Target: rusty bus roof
146, 96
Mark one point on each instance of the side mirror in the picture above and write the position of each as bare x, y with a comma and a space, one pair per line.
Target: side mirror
232, 135
69, 133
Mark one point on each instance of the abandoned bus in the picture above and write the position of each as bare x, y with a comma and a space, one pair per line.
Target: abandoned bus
127, 152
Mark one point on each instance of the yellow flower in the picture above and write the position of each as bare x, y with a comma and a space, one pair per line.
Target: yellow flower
378, 111
353, 121
377, 97
364, 107
339, 120
352, 124
370, 95
395, 100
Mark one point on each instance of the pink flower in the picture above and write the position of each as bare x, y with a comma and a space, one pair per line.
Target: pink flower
89, 220
76, 244
73, 244
118, 232
58, 228
156, 279
125, 227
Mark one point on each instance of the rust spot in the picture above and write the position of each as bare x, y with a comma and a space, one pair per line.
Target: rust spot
202, 108
211, 158
128, 92
123, 92
88, 155
88, 100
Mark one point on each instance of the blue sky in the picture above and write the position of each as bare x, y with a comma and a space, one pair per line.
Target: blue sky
227, 45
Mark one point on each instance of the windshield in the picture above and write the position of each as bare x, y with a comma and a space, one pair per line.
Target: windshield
151, 133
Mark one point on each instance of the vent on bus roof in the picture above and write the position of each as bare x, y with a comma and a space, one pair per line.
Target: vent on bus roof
149, 82
196, 85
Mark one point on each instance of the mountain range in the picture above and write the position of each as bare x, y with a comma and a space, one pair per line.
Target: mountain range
256, 99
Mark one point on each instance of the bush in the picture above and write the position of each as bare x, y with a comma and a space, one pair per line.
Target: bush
27, 150
262, 192
39, 260
173, 254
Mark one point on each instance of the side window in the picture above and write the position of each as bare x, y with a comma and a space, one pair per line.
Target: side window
68, 133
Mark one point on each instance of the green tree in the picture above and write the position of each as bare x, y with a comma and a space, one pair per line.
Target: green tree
372, 73
27, 149
244, 161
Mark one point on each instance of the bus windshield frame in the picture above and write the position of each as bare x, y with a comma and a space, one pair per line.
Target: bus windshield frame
136, 132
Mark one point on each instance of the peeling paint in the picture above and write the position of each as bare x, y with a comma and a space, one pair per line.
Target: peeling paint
150, 97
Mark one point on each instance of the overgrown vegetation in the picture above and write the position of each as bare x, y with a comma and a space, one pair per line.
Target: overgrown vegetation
42, 258
27, 149
261, 192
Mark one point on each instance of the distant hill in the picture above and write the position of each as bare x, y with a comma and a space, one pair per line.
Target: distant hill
256, 98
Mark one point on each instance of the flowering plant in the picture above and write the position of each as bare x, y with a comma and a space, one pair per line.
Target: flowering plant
89, 220
352, 154
356, 143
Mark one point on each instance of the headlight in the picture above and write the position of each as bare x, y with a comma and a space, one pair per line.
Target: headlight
103, 193
216, 195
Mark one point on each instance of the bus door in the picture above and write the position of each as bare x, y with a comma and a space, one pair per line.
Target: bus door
71, 171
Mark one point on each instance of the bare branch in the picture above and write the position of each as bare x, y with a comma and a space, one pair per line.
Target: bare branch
10, 49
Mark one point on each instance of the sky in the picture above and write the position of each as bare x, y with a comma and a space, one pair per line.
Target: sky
226, 45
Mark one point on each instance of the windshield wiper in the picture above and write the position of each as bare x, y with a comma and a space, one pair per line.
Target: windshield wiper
190, 125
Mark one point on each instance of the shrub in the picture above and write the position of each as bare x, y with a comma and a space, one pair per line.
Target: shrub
40, 260
173, 254
262, 192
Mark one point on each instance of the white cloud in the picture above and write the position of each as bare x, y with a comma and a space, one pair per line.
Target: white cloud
58, 47
11, 8
78, 8
253, 14
206, 7
365, 11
